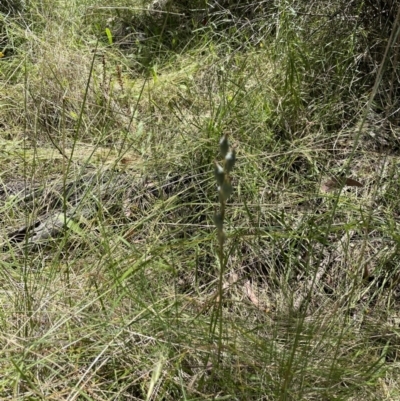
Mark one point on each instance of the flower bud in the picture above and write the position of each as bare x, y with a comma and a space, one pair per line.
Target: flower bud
225, 190
230, 160
224, 145
218, 221
219, 173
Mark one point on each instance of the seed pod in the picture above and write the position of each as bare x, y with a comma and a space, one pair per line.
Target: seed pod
224, 145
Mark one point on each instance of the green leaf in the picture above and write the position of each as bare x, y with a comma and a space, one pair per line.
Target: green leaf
109, 36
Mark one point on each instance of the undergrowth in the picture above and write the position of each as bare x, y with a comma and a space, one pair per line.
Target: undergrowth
127, 272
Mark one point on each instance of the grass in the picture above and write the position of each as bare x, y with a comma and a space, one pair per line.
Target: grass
138, 297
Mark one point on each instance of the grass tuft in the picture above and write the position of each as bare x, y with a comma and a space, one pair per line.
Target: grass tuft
129, 271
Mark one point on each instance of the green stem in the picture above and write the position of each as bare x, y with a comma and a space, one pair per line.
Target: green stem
221, 238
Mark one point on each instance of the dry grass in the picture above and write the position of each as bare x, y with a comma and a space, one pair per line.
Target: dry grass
125, 303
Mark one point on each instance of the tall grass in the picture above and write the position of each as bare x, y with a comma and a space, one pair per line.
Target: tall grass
160, 286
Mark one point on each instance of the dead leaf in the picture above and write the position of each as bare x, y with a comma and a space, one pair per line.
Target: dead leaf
250, 293
335, 183
126, 208
353, 183
366, 273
